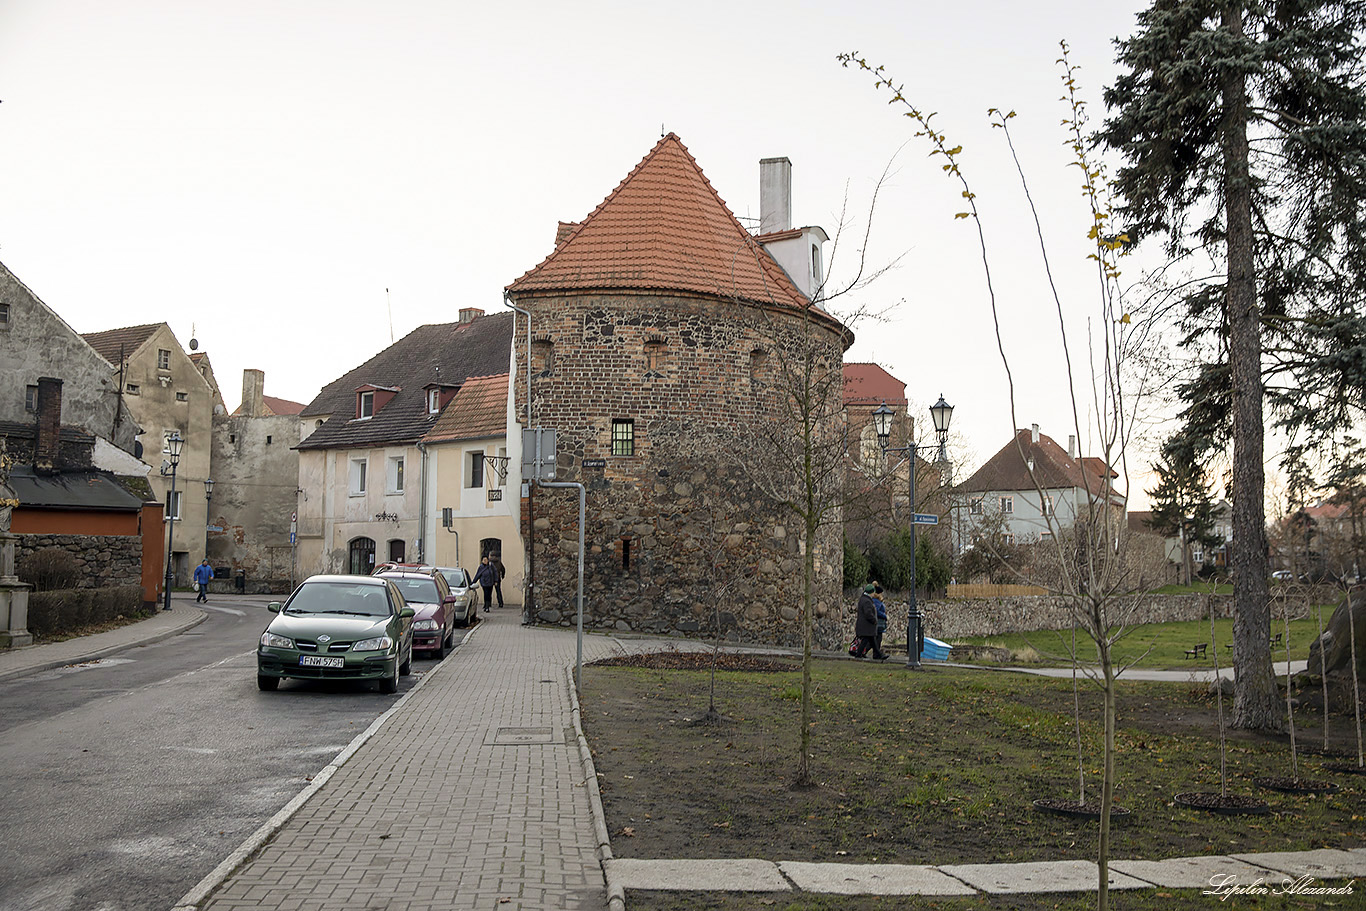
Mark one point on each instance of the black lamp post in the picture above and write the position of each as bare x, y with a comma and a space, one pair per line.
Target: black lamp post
940, 412
174, 444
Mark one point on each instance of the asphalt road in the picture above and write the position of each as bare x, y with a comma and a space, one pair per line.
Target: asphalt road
127, 780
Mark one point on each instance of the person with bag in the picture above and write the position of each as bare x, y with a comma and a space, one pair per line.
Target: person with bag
202, 574
865, 626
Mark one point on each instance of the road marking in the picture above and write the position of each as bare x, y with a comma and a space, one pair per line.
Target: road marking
226, 610
203, 751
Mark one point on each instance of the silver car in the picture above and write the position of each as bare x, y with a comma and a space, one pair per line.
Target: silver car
462, 586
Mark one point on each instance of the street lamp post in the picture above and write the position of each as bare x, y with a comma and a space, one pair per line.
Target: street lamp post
940, 412
174, 444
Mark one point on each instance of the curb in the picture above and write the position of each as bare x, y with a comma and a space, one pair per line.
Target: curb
105, 652
616, 894
258, 839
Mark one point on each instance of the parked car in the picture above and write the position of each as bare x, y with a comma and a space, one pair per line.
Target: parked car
466, 599
1283, 574
430, 597
402, 567
338, 628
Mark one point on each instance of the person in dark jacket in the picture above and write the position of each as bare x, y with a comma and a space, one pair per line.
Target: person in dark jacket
865, 624
499, 571
486, 576
881, 617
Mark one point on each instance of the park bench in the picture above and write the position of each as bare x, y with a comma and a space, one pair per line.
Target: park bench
1276, 641
1196, 651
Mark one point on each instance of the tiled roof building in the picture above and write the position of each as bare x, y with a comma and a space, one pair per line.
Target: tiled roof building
661, 331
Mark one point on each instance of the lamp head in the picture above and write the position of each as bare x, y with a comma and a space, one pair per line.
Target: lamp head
941, 412
882, 422
175, 444
208, 488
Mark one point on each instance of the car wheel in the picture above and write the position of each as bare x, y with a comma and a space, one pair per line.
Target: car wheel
389, 685
406, 667
440, 651
267, 683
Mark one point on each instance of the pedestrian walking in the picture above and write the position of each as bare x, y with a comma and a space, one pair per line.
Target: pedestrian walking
485, 576
499, 570
202, 574
881, 617
865, 625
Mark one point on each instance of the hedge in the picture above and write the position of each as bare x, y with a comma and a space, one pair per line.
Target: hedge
66, 611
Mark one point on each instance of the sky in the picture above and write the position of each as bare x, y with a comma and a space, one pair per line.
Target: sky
294, 183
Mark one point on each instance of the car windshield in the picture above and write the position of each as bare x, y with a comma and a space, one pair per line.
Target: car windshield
339, 598
422, 591
455, 578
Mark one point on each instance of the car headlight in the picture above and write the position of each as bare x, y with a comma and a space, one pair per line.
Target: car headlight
270, 640
377, 644
425, 624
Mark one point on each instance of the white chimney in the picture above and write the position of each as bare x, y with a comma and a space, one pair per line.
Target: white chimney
470, 314
1034, 434
775, 195
1071, 446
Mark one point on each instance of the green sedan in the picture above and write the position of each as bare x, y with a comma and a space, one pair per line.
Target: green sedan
338, 628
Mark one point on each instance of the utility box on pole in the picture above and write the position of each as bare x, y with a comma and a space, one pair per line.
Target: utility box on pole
538, 454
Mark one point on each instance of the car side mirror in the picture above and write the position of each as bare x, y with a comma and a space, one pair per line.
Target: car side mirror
406, 612
273, 607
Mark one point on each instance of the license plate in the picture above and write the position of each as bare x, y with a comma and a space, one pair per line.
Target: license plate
321, 661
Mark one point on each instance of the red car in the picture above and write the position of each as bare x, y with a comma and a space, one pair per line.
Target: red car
429, 596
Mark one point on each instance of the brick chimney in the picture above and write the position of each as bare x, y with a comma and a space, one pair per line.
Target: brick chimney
253, 390
47, 444
470, 314
775, 195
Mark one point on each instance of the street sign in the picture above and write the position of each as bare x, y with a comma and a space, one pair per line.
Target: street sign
925, 518
291, 537
538, 441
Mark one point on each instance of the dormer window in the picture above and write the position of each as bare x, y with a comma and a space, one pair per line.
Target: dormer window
365, 406
433, 401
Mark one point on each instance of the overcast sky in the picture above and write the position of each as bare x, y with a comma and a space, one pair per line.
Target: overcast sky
257, 174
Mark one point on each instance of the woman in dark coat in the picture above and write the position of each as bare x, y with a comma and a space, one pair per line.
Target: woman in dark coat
865, 624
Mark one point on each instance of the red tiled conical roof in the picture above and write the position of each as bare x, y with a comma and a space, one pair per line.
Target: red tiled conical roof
664, 228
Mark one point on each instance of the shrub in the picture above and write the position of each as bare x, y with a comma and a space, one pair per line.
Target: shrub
49, 569
855, 566
63, 612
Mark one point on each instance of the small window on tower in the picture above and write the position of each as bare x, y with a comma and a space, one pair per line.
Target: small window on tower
655, 353
624, 437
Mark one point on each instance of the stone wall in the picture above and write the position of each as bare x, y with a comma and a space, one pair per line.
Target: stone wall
103, 561
689, 522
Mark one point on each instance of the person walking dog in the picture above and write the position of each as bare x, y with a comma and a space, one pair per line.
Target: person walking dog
202, 574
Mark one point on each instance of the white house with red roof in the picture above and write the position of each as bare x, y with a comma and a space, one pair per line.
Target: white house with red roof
1032, 487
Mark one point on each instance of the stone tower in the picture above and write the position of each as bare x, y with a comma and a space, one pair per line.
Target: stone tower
665, 344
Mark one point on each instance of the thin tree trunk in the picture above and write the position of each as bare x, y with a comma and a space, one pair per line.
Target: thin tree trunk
1254, 702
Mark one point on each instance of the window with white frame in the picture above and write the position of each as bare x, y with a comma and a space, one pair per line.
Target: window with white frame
365, 406
475, 476
1007, 505
624, 437
358, 472
30, 398
1008, 538
173, 504
1046, 506
163, 359
975, 506
433, 401
393, 476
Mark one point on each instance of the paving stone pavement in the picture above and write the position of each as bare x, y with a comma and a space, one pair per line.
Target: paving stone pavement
472, 797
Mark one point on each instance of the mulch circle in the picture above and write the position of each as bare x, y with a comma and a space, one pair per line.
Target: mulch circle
1344, 769
1228, 804
1288, 785
697, 661
1077, 809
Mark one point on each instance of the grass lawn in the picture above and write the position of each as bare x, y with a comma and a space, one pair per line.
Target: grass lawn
1153, 645
931, 767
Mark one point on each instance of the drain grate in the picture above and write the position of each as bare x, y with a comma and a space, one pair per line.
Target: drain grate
516, 736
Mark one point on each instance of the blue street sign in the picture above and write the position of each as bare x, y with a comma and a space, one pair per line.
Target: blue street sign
925, 518
291, 537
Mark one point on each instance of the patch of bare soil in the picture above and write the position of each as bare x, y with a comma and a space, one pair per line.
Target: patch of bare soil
937, 767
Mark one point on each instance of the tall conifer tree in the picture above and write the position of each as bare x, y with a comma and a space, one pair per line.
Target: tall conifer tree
1243, 128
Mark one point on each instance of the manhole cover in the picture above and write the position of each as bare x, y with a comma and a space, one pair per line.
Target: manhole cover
524, 735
